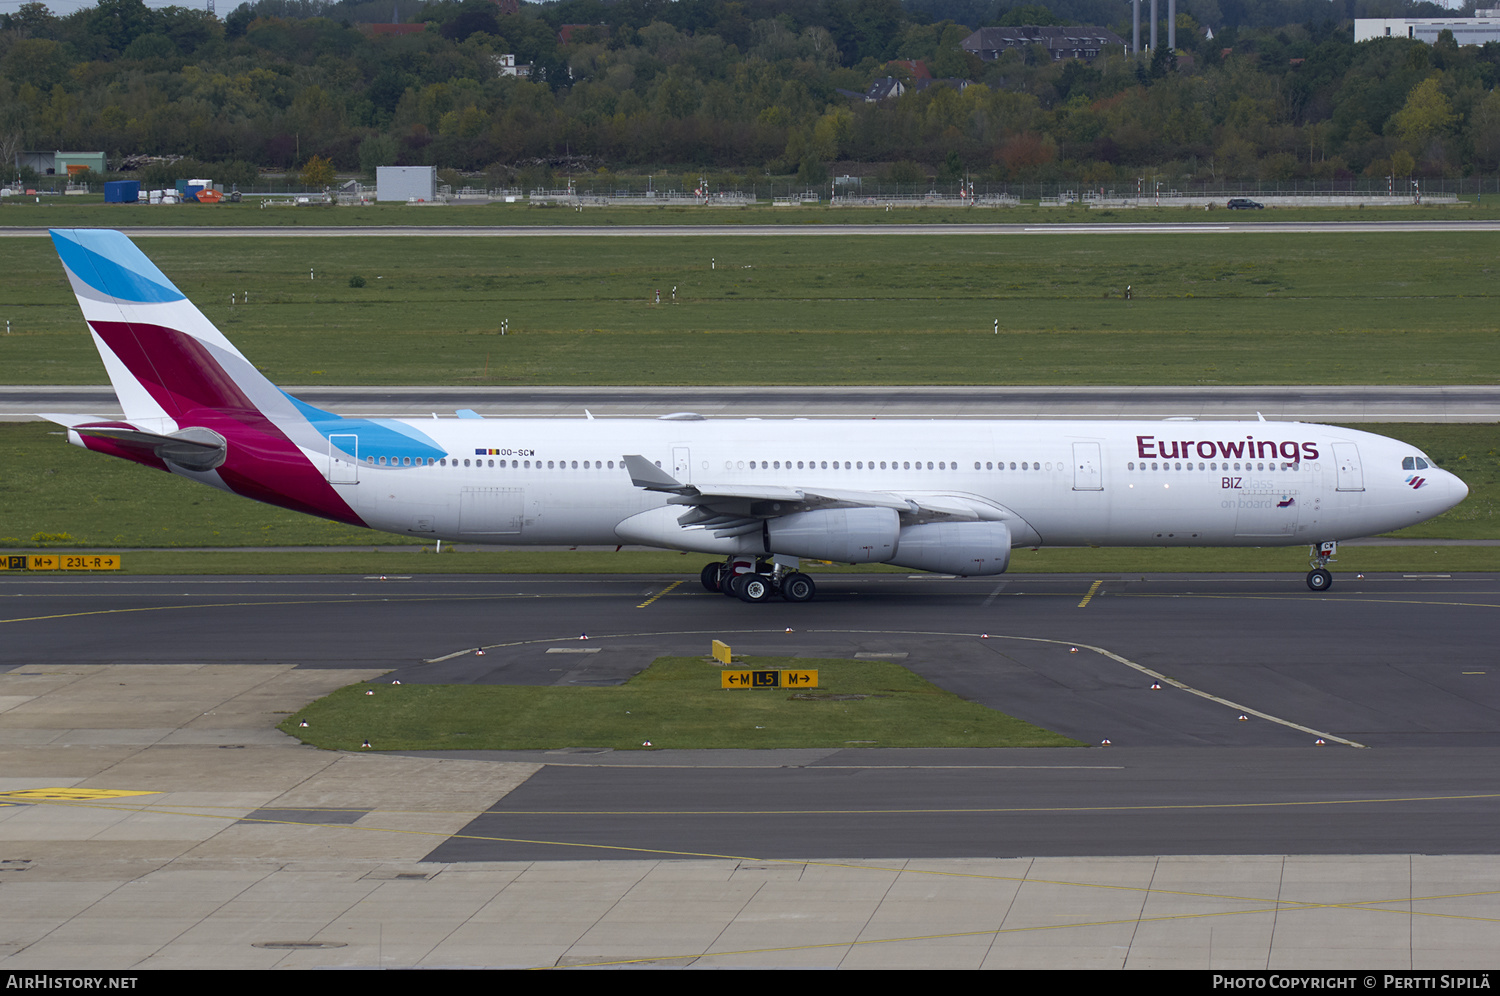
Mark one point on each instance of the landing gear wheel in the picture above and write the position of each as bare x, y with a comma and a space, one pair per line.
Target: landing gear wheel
755, 588
733, 585
797, 587
711, 576
1319, 580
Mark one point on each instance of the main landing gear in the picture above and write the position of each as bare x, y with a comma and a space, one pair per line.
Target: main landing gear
757, 581
1319, 578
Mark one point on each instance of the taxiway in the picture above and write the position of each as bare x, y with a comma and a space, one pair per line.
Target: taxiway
859, 857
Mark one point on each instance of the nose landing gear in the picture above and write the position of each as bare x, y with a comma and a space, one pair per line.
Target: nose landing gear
1319, 578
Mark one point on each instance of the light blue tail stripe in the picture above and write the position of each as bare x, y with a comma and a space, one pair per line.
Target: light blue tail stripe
111, 264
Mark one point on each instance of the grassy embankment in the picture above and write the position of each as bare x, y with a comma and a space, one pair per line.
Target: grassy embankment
1408, 308
675, 703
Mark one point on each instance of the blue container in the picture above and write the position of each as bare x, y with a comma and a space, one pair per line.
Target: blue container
122, 192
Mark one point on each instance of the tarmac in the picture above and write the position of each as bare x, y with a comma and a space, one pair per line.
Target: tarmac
152, 817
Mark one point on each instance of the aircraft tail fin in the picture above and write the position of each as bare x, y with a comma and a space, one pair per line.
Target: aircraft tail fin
165, 359
193, 403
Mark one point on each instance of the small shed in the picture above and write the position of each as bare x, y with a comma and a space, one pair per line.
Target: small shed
62, 163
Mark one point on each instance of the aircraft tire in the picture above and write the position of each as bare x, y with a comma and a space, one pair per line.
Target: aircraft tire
755, 588
798, 587
731, 587
711, 575
1319, 580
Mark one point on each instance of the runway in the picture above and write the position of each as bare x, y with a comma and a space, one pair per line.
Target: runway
1309, 403
1393, 673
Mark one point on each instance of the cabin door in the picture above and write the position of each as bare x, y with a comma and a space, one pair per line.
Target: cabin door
1086, 470
343, 459
1351, 477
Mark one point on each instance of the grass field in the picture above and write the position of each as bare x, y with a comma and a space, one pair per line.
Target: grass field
676, 703
1410, 308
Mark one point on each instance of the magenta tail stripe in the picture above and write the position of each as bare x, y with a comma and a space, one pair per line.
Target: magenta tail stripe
175, 368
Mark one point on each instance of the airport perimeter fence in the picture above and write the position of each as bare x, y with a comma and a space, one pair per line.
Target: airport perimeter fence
1147, 191
869, 193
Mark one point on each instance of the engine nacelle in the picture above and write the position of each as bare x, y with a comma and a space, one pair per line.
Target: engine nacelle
848, 535
964, 548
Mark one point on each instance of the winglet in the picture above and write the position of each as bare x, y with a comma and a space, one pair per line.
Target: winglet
645, 474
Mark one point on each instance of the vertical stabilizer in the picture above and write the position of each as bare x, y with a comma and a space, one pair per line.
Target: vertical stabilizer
193, 404
164, 358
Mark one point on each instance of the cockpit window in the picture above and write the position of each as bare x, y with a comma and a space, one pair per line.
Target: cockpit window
1410, 463
1421, 464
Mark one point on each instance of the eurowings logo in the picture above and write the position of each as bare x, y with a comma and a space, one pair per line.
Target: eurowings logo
1416, 481
1286, 502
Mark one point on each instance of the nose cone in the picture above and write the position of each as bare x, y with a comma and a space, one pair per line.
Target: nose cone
1453, 490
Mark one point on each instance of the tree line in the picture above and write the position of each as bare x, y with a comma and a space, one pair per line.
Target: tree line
1257, 90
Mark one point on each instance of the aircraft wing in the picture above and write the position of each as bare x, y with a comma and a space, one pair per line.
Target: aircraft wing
729, 510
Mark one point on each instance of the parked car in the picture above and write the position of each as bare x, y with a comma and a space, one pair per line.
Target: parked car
1244, 204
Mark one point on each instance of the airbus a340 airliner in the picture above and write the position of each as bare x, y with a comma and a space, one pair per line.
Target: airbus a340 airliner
945, 496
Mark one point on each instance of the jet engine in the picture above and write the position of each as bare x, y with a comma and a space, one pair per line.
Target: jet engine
963, 548
848, 535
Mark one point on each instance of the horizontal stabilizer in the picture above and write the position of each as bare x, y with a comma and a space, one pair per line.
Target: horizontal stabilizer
192, 448
71, 420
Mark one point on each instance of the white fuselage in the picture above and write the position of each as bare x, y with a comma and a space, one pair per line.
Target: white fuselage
1158, 483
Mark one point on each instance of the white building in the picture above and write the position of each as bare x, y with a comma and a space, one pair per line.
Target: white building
506, 66
406, 183
1483, 27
